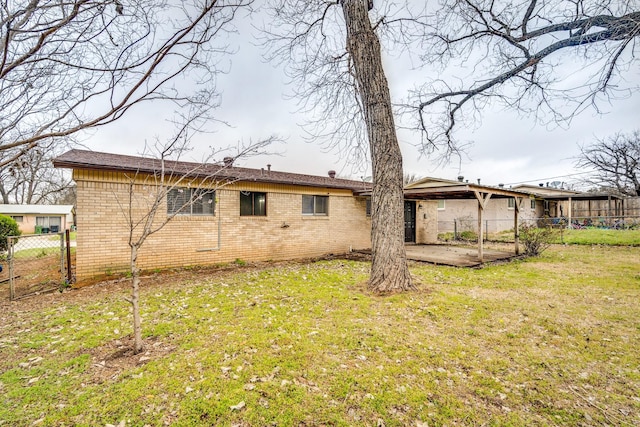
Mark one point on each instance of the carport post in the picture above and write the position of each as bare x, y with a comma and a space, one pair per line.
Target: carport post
480, 232
516, 233
483, 199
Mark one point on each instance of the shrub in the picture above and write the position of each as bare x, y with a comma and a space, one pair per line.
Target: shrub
536, 239
468, 235
8, 227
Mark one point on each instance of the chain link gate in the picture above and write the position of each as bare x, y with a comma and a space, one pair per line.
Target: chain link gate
36, 264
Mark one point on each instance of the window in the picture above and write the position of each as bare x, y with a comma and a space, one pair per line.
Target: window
253, 204
48, 221
368, 207
533, 204
315, 205
191, 201
511, 203
17, 218
440, 205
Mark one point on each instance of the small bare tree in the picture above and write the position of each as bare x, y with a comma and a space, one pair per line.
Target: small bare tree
67, 66
410, 178
147, 209
615, 162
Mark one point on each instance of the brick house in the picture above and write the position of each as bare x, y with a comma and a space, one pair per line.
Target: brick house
39, 218
254, 214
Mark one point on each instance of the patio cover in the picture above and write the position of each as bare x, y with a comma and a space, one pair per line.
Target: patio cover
438, 189
589, 197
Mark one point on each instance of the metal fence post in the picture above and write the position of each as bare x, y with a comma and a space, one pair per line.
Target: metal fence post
67, 236
12, 289
62, 275
455, 229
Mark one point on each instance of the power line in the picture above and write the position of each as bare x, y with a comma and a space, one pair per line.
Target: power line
550, 178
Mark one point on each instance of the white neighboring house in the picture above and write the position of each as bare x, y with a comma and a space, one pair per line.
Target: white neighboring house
42, 218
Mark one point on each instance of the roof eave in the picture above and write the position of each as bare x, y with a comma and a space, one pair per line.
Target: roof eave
225, 177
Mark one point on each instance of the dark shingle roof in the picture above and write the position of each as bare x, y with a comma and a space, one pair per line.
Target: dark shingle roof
84, 159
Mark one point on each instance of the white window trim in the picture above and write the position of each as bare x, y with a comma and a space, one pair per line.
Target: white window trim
190, 213
314, 213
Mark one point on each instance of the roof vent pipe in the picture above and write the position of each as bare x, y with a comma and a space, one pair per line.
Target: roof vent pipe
541, 184
501, 185
268, 168
332, 174
228, 161
478, 181
460, 178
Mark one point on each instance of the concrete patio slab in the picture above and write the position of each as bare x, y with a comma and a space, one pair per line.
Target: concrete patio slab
458, 256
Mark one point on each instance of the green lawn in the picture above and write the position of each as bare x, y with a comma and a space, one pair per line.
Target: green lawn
598, 236
72, 236
547, 341
36, 252
586, 236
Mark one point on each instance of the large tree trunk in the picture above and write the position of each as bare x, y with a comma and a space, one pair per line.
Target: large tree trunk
389, 270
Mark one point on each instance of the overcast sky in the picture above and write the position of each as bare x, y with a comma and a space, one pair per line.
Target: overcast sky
506, 147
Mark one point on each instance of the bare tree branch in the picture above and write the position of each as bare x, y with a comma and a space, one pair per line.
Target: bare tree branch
70, 66
28, 177
514, 48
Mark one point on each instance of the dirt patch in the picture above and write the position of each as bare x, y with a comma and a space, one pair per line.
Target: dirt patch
32, 276
111, 359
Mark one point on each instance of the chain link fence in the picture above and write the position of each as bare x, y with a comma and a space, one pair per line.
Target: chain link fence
36, 264
466, 228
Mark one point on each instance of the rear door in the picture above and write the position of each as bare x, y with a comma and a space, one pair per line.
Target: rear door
409, 222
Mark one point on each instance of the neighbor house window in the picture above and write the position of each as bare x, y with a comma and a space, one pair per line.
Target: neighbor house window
315, 205
511, 203
253, 203
17, 218
48, 221
440, 205
191, 201
533, 204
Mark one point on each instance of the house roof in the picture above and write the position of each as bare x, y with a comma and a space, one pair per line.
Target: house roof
35, 209
585, 196
438, 188
551, 193
543, 191
84, 159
